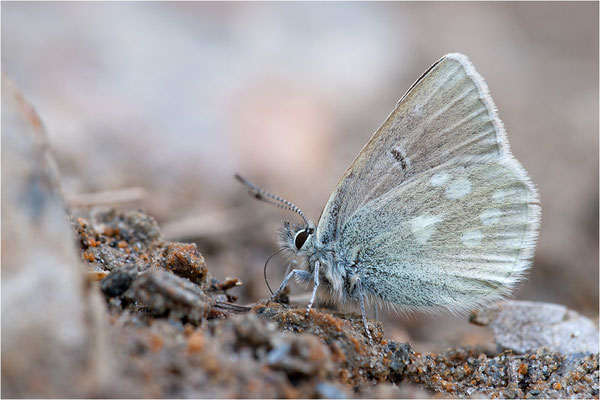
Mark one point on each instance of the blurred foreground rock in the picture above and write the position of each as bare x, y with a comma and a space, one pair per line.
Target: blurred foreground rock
51, 322
138, 316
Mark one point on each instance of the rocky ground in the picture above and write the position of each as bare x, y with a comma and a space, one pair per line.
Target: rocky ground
180, 334
121, 312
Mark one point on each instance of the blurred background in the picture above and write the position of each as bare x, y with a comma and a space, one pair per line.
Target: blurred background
168, 100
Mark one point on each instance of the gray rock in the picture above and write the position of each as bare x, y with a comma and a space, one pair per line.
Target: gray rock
301, 355
524, 326
164, 293
47, 343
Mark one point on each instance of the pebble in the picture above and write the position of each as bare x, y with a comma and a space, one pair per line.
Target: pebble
523, 326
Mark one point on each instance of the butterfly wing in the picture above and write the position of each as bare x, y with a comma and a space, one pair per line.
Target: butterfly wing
458, 236
435, 211
446, 114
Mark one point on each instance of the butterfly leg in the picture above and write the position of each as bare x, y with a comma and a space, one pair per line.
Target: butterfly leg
364, 316
305, 275
290, 266
314, 292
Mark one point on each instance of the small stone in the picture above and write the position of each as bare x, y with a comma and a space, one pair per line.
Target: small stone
400, 358
301, 355
524, 326
166, 294
183, 259
117, 282
522, 369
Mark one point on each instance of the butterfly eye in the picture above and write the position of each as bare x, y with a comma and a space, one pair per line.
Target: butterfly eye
300, 238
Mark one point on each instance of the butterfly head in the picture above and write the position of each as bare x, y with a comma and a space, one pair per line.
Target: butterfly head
299, 238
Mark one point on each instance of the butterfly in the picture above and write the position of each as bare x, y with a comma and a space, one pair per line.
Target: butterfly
434, 212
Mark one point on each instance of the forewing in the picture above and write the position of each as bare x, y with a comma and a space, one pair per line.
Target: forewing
445, 115
458, 236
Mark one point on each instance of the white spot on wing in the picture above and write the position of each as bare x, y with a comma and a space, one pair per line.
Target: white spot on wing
459, 188
472, 238
423, 227
439, 179
491, 216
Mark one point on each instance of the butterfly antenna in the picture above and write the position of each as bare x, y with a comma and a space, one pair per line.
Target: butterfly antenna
262, 194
